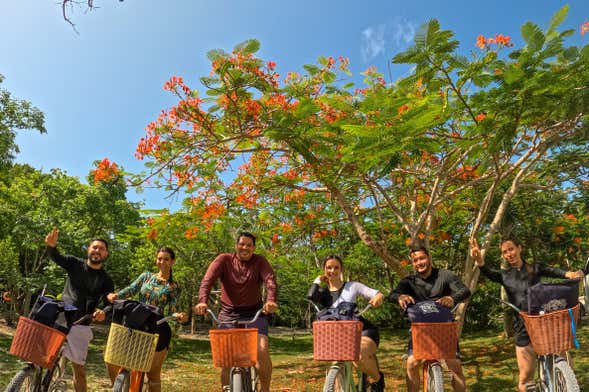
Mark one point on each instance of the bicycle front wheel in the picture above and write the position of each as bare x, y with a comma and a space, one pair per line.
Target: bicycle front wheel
122, 382
564, 378
27, 379
435, 378
335, 380
237, 382
255, 380
58, 378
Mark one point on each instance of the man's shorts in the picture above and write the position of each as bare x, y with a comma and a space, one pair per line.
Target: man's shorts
78, 339
261, 324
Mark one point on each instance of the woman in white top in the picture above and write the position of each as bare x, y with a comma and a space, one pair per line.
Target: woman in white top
337, 291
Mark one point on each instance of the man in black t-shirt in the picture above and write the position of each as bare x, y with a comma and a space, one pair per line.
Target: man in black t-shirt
428, 283
87, 283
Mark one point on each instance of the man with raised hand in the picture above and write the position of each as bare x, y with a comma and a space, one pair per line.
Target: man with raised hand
87, 283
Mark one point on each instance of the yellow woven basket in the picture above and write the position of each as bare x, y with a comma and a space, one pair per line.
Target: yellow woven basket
130, 348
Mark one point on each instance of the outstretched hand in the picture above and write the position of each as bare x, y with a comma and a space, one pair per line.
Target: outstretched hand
475, 252
51, 238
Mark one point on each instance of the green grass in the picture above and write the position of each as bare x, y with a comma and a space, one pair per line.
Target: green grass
488, 360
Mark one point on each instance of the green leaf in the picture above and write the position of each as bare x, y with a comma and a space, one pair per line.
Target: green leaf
533, 36
559, 17
311, 69
329, 77
216, 54
512, 74
248, 47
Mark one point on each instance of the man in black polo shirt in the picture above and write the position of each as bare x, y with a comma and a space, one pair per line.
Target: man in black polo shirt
87, 283
428, 283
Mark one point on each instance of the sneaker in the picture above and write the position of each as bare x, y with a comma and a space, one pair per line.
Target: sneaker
379, 385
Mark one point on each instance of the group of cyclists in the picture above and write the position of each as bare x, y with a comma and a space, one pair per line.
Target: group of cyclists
243, 275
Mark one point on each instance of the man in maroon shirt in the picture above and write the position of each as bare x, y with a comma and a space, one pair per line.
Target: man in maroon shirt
242, 275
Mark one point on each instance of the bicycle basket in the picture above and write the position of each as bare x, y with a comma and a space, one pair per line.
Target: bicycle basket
434, 340
36, 342
337, 340
551, 333
130, 348
235, 347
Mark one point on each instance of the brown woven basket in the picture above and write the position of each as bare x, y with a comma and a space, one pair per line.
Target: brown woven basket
35, 342
434, 340
551, 333
235, 347
337, 340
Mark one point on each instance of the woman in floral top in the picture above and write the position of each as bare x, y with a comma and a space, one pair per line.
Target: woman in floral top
161, 290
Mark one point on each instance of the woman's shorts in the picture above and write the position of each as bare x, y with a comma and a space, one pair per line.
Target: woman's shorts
165, 337
370, 331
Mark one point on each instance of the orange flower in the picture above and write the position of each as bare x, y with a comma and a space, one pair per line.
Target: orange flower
481, 42
584, 28
481, 116
105, 171
152, 235
402, 109
559, 230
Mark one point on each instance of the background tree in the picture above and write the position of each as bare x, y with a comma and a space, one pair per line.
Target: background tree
15, 114
457, 139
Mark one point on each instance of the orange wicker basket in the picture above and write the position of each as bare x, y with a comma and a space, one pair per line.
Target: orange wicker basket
237, 347
434, 340
337, 340
35, 342
551, 333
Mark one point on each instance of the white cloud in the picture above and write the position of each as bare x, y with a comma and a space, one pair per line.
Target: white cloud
393, 35
373, 42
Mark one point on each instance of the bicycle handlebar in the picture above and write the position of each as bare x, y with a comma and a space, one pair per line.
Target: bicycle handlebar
235, 322
173, 316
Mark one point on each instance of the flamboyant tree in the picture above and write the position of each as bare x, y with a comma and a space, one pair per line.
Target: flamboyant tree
457, 137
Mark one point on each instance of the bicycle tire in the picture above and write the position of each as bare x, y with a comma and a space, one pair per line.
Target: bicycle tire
335, 380
564, 378
25, 380
122, 382
236, 383
435, 378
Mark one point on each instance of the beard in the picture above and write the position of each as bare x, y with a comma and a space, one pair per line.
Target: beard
95, 259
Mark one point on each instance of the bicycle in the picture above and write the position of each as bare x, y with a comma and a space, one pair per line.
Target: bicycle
41, 346
132, 350
555, 373
432, 343
339, 342
237, 349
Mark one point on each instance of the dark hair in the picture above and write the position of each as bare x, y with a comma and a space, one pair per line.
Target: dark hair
100, 240
169, 251
417, 246
515, 241
333, 257
246, 234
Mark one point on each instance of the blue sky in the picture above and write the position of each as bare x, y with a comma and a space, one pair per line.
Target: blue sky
101, 87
